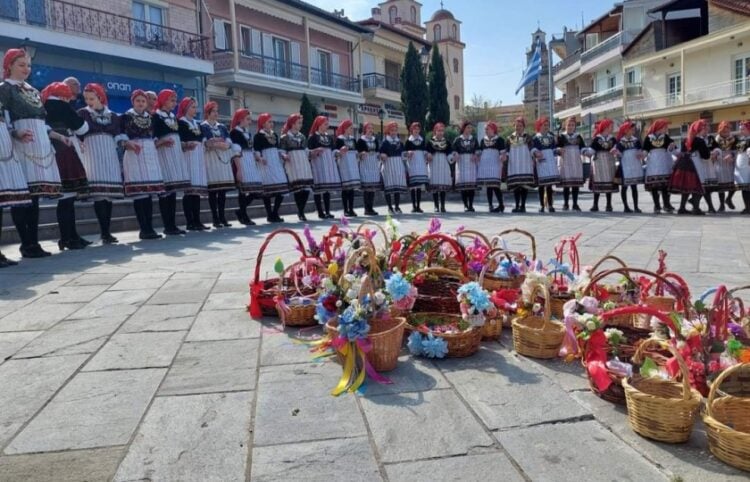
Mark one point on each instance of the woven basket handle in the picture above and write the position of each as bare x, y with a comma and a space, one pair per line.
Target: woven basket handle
359, 254
468, 233
499, 237
378, 227
440, 237
685, 375
365, 288
717, 383
300, 246
547, 307
608, 258
442, 271
292, 269
641, 310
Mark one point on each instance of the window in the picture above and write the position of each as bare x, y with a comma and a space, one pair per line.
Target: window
591, 40
456, 102
392, 14
368, 63
225, 107
674, 89
611, 81
454, 31
246, 40
742, 75
633, 76
413, 15
222, 35
437, 32
151, 19
455, 66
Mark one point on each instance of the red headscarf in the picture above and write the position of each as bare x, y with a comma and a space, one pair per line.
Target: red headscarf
602, 125
390, 126
209, 107
693, 131
414, 125
723, 125
138, 93
320, 120
658, 125
290, 121
624, 128
98, 90
521, 120
539, 123
239, 114
263, 119
11, 55
56, 89
345, 124
493, 126
184, 106
163, 97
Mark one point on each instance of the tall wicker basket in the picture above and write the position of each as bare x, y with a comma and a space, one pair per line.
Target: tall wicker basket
535, 336
727, 417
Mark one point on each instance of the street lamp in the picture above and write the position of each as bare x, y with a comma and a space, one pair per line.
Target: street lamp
29, 48
381, 116
424, 57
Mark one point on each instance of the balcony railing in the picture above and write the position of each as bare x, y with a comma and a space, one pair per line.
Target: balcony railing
373, 80
327, 78
566, 62
90, 22
730, 91
616, 41
634, 90
273, 67
602, 97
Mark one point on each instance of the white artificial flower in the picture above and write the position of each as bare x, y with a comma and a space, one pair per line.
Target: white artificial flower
591, 325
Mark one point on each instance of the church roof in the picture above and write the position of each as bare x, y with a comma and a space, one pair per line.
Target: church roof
442, 14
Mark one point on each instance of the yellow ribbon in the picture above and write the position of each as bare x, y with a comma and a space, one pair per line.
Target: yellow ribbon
346, 376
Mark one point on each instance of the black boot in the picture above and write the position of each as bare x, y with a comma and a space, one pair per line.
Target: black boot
517, 199
595, 207
33, 229
683, 204
19, 215
318, 198
66, 223
213, 203
74, 227
657, 201
5, 262
576, 190
634, 192
147, 228
268, 208
465, 199
695, 200
500, 202
196, 204
490, 195
418, 200
187, 211
352, 212
609, 202
722, 202
276, 206
165, 210
300, 200
624, 197
327, 205
470, 195
397, 202
566, 198
746, 201
103, 210
665, 199
442, 202
241, 211
222, 201
550, 198
436, 201
389, 202
710, 202
369, 198
730, 203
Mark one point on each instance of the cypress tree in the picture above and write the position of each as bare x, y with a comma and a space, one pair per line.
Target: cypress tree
413, 88
309, 113
439, 108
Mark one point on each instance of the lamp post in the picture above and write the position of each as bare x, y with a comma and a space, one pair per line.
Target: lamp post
381, 116
424, 58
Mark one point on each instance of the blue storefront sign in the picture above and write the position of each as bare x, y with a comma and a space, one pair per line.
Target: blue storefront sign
118, 88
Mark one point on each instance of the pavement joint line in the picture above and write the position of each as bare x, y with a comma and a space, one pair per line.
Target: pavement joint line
371, 441
308, 441
254, 404
171, 395
559, 421
470, 452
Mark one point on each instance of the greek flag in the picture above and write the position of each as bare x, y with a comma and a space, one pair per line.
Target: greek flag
533, 70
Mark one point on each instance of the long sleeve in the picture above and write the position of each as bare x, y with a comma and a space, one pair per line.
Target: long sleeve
362, 145
700, 146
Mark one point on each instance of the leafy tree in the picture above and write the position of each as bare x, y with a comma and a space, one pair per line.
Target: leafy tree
309, 113
413, 88
439, 108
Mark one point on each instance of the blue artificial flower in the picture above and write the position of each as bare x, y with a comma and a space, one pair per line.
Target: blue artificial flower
476, 295
397, 286
433, 347
352, 326
415, 343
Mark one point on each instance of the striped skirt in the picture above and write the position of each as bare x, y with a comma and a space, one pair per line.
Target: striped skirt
725, 172
247, 175
72, 173
631, 168
466, 173
547, 173
417, 169
13, 188
369, 172
706, 171
440, 173
298, 171
38, 159
659, 165
174, 169
394, 175
349, 170
571, 167
196, 166
141, 172
520, 167
219, 169
272, 173
603, 173
742, 171
325, 173
99, 159
490, 169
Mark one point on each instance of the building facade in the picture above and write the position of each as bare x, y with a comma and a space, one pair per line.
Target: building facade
444, 32
132, 44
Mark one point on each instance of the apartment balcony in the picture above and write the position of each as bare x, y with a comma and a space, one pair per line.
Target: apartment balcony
566, 68
382, 87
698, 98
276, 76
605, 51
62, 25
602, 101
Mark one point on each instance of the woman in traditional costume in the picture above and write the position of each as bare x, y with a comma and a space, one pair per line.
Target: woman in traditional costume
520, 164
466, 157
570, 145
293, 147
742, 166
368, 149
490, 170
140, 164
270, 164
394, 172
630, 170
725, 163
659, 162
414, 149
438, 164
193, 149
220, 151
246, 173
326, 175
544, 151
690, 169
603, 164
346, 154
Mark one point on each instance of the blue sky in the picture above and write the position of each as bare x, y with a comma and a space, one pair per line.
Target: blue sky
496, 34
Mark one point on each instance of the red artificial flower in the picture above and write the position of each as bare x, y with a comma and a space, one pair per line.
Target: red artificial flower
329, 303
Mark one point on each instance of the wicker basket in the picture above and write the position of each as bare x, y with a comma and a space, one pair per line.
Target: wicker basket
472, 235
263, 292
492, 328
460, 345
385, 337
727, 419
497, 241
438, 295
538, 337
557, 302
297, 315
456, 263
491, 282
658, 409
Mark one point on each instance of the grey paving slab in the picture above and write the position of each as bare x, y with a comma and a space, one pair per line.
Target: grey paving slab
196, 437
411, 375
137, 350
468, 468
193, 290
96, 409
233, 300
11, 342
320, 461
161, 318
92, 465
294, 405
73, 294
223, 325
279, 347
27, 385
72, 337
213, 366
506, 391
114, 303
37, 316
230, 283
546, 453
401, 423
141, 280
87, 279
